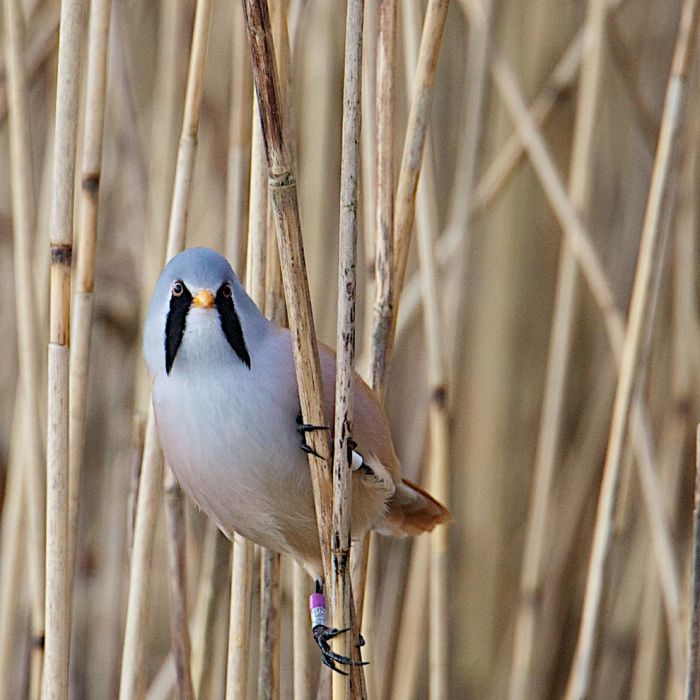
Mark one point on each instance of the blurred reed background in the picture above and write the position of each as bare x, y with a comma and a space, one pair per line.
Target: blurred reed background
557, 198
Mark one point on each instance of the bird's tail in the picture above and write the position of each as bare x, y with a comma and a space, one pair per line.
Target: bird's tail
412, 511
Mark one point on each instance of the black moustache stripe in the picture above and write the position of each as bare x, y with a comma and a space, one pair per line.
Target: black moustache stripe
175, 325
231, 325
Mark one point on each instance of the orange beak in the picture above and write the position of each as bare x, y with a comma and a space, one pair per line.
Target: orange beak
204, 299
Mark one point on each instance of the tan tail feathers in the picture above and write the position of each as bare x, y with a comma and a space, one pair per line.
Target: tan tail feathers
413, 511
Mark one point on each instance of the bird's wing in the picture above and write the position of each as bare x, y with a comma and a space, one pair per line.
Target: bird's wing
370, 427
410, 509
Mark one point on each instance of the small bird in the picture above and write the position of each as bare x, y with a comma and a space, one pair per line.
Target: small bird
228, 417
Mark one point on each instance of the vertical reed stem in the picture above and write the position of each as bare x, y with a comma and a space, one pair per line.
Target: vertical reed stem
83, 297
341, 584
55, 680
23, 224
692, 687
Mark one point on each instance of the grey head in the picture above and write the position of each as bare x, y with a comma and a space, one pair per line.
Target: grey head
199, 306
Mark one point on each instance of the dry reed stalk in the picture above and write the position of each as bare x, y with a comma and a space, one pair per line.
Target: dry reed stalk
239, 623
692, 686
29, 359
341, 584
55, 678
613, 320
368, 166
256, 263
382, 312
147, 504
137, 449
439, 658
496, 175
461, 215
300, 648
275, 310
410, 647
187, 149
239, 147
384, 240
629, 67
659, 203
543, 164
150, 481
177, 584
213, 582
40, 47
177, 229
164, 134
12, 547
414, 142
242, 567
282, 187
558, 358
438, 414
270, 602
83, 297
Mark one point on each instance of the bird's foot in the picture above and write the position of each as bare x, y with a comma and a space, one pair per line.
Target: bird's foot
322, 634
302, 429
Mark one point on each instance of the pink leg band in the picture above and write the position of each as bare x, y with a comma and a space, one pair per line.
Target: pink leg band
317, 606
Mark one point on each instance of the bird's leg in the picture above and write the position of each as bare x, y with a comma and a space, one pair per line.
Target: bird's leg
302, 429
322, 633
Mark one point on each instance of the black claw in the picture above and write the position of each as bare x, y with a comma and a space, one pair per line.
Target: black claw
322, 634
360, 641
309, 450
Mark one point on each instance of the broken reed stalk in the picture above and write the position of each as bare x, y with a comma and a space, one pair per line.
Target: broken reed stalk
83, 297
282, 188
558, 359
28, 428
692, 686
177, 229
55, 679
341, 584
659, 202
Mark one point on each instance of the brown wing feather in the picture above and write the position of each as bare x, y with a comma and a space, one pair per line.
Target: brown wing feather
411, 510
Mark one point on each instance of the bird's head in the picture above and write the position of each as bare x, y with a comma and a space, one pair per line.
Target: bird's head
199, 309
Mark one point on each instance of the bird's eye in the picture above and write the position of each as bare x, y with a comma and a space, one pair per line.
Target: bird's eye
178, 288
227, 291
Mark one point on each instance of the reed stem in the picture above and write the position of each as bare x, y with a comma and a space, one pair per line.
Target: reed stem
55, 679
